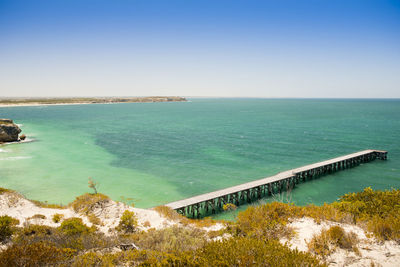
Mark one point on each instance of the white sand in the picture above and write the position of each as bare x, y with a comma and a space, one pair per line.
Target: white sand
14, 205
380, 253
42, 104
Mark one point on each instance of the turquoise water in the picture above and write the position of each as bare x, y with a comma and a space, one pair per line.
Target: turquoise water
156, 153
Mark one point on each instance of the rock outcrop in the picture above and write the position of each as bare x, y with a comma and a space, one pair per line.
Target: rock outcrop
9, 131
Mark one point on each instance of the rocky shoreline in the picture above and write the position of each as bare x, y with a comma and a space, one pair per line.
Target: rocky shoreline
9, 131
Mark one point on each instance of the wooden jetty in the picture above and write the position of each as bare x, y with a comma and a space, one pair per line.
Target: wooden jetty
202, 204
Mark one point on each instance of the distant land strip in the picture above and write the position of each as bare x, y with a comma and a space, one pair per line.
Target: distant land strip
86, 100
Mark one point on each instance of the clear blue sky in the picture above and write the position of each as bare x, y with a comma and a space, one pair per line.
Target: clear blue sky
275, 48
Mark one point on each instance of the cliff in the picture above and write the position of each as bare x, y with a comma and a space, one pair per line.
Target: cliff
8, 131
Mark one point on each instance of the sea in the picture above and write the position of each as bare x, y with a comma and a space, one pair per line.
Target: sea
149, 154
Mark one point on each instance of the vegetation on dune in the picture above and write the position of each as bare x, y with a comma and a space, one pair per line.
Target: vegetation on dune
379, 210
252, 240
172, 215
38, 216
86, 203
329, 240
7, 227
44, 204
4, 190
75, 226
244, 251
174, 238
128, 222
57, 217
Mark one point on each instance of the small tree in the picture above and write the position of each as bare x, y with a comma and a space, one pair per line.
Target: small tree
128, 222
93, 185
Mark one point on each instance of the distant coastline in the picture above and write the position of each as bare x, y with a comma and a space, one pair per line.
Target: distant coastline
13, 102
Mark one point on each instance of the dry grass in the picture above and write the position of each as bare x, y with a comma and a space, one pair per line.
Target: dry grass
86, 203
171, 214
94, 219
38, 216
329, 240
45, 204
5, 190
175, 238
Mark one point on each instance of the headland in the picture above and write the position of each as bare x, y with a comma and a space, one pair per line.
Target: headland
11, 102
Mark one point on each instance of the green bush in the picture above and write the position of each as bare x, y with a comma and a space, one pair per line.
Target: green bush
229, 207
87, 202
74, 226
7, 227
34, 254
57, 217
266, 221
128, 222
241, 251
379, 210
81, 239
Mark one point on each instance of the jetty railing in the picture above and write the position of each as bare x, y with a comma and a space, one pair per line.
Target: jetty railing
245, 193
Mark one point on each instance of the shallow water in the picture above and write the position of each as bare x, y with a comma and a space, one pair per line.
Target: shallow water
154, 153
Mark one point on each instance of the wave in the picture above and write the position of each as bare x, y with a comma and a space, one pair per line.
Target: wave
15, 158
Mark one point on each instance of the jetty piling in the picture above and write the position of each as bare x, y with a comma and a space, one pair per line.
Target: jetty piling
201, 205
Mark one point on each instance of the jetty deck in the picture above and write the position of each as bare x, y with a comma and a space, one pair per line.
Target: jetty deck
247, 192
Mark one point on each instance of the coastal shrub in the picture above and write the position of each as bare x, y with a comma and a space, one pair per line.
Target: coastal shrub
387, 228
33, 230
229, 207
45, 204
34, 254
329, 240
379, 210
175, 238
128, 222
369, 203
204, 222
168, 213
324, 212
135, 258
232, 252
57, 217
94, 259
38, 216
266, 221
7, 227
73, 226
171, 214
86, 203
244, 251
79, 240
5, 190
94, 219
